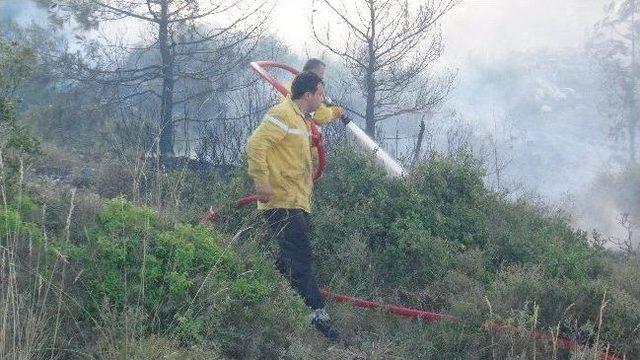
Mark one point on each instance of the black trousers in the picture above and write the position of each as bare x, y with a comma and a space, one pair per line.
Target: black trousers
295, 259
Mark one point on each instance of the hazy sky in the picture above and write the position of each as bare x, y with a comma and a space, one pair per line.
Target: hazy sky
481, 27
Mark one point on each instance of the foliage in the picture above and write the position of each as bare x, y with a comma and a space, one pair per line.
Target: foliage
612, 46
16, 62
415, 229
16, 141
182, 280
15, 225
442, 241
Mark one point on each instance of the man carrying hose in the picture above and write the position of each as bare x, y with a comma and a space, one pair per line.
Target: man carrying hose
279, 157
327, 111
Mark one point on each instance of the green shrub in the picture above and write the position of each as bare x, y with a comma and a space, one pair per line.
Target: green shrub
627, 274
414, 229
17, 144
414, 258
522, 233
13, 225
184, 279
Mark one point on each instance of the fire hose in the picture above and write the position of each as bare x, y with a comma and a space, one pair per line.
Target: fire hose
559, 341
394, 169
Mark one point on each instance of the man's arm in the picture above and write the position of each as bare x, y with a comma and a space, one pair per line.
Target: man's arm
326, 114
266, 135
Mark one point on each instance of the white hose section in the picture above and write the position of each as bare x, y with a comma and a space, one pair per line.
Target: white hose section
390, 164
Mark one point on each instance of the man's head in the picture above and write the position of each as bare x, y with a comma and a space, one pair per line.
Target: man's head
315, 66
307, 90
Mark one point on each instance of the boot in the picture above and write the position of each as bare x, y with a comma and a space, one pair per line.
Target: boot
320, 319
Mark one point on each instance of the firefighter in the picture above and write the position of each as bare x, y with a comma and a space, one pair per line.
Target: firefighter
327, 111
279, 161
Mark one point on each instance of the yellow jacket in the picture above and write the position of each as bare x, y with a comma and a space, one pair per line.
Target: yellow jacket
279, 155
323, 115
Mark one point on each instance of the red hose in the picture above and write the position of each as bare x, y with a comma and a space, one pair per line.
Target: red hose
259, 67
398, 310
560, 341
317, 140
213, 214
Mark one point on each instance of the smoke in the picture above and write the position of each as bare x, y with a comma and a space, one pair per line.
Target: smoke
498, 28
21, 12
610, 205
542, 112
535, 120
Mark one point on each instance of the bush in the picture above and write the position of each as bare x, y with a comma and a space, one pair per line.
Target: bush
183, 280
413, 230
113, 179
13, 225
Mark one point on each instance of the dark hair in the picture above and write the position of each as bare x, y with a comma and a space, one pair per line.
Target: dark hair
304, 82
312, 64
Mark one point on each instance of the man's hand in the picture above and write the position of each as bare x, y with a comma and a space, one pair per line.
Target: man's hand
264, 193
336, 112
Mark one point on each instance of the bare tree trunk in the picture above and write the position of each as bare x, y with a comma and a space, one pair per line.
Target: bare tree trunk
633, 112
397, 139
186, 60
632, 121
496, 162
370, 127
632, 132
370, 81
418, 149
166, 107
